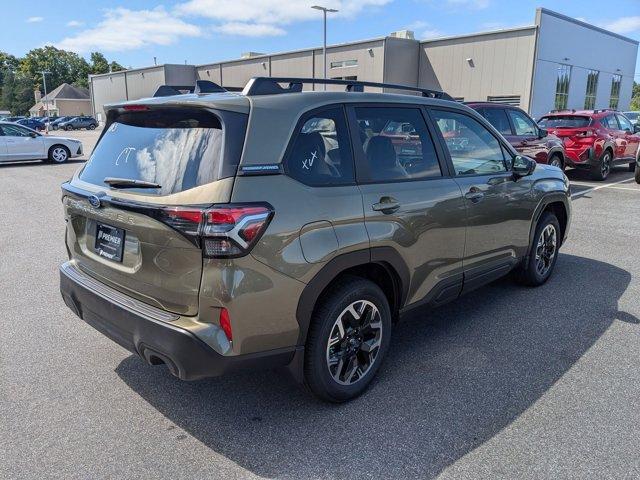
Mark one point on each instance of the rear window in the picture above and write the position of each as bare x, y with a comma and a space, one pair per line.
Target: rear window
564, 121
178, 149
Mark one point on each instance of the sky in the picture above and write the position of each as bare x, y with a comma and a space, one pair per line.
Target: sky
133, 32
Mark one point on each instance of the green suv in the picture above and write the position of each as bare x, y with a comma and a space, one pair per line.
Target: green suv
213, 231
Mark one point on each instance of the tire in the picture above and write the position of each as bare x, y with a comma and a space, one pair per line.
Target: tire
632, 167
91, 127
530, 273
335, 333
556, 160
637, 176
58, 154
68, 128
602, 170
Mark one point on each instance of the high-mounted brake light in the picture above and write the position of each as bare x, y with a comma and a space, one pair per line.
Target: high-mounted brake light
224, 231
136, 108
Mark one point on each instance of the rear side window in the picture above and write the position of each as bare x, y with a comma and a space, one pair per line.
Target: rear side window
177, 148
321, 152
498, 118
473, 149
564, 121
610, 122
523, 125
396, 145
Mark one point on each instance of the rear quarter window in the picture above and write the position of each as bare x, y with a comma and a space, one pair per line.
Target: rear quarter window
177, 148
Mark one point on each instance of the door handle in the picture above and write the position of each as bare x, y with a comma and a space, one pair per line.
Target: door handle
475, 195
386, 205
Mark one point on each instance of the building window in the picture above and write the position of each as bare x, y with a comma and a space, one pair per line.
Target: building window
616, 81
562, 87
513, 100
348, 77
344, 63
592, 88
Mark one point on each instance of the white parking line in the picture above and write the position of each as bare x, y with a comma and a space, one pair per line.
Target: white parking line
627, 189
598, 187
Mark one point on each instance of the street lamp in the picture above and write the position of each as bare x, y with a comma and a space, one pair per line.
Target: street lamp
324, 44
46, 104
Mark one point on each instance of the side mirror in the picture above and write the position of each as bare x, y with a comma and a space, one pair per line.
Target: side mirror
33, 134
523, 166
636, 128
542, 133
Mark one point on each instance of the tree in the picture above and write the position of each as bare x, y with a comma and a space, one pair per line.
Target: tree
635, 97
8, 64
65, 67
99, 63
17, 93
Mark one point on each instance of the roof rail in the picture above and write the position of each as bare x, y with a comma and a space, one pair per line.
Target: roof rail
271, 86
201, 86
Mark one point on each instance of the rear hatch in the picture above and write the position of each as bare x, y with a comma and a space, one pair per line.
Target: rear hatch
571, 129
134, 211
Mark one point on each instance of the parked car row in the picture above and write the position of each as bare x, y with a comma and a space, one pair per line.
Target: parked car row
592, 140
56, 123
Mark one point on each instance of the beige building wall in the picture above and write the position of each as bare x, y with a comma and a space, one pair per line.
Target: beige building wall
144, 83
106, 89
73, 107
476, 67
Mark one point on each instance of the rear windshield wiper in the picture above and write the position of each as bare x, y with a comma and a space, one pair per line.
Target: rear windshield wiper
129, 183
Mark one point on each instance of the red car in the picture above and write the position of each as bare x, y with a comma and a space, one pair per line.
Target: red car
595, 140
522, 132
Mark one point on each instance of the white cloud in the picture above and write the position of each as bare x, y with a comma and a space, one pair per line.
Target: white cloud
424, 30
34, 19
250, 29
124, 29
467, 4
267, 17
75, 23
624, 25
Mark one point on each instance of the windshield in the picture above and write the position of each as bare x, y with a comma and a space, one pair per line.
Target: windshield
632, 115
564, 121
178, 149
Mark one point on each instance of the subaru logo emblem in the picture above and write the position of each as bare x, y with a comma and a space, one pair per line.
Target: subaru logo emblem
94, 201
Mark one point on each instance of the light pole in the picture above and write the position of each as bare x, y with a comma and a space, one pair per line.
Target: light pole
46, 103
325, 10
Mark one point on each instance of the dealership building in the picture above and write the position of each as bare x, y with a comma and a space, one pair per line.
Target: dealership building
556, 63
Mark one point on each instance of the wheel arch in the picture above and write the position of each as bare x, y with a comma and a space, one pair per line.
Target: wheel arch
559, 151
382, 265
558, 204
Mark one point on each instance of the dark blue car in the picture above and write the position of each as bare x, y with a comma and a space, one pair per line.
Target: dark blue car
31, 123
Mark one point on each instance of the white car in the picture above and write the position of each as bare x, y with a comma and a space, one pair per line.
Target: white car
22, 143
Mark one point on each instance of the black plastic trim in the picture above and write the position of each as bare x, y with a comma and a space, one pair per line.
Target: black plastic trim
385, 256
187, 357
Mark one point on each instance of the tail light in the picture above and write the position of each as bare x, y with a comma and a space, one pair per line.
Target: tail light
584, 134
224, 231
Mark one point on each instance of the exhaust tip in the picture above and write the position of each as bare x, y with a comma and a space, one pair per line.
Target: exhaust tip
152, 357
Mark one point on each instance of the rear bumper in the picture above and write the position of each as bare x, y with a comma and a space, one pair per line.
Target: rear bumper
581, 157
152, 333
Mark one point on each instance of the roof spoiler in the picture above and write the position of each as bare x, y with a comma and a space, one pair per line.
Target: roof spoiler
271, 86
201, 86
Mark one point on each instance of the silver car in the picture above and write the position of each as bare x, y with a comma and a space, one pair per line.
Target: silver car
22, 143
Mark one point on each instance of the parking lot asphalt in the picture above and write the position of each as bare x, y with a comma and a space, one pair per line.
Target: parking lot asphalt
506, 382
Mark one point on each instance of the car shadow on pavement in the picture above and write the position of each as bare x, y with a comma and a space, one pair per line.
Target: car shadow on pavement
30, 163
454, 377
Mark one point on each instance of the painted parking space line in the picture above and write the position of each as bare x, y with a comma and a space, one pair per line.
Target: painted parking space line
598, 187
626, 188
